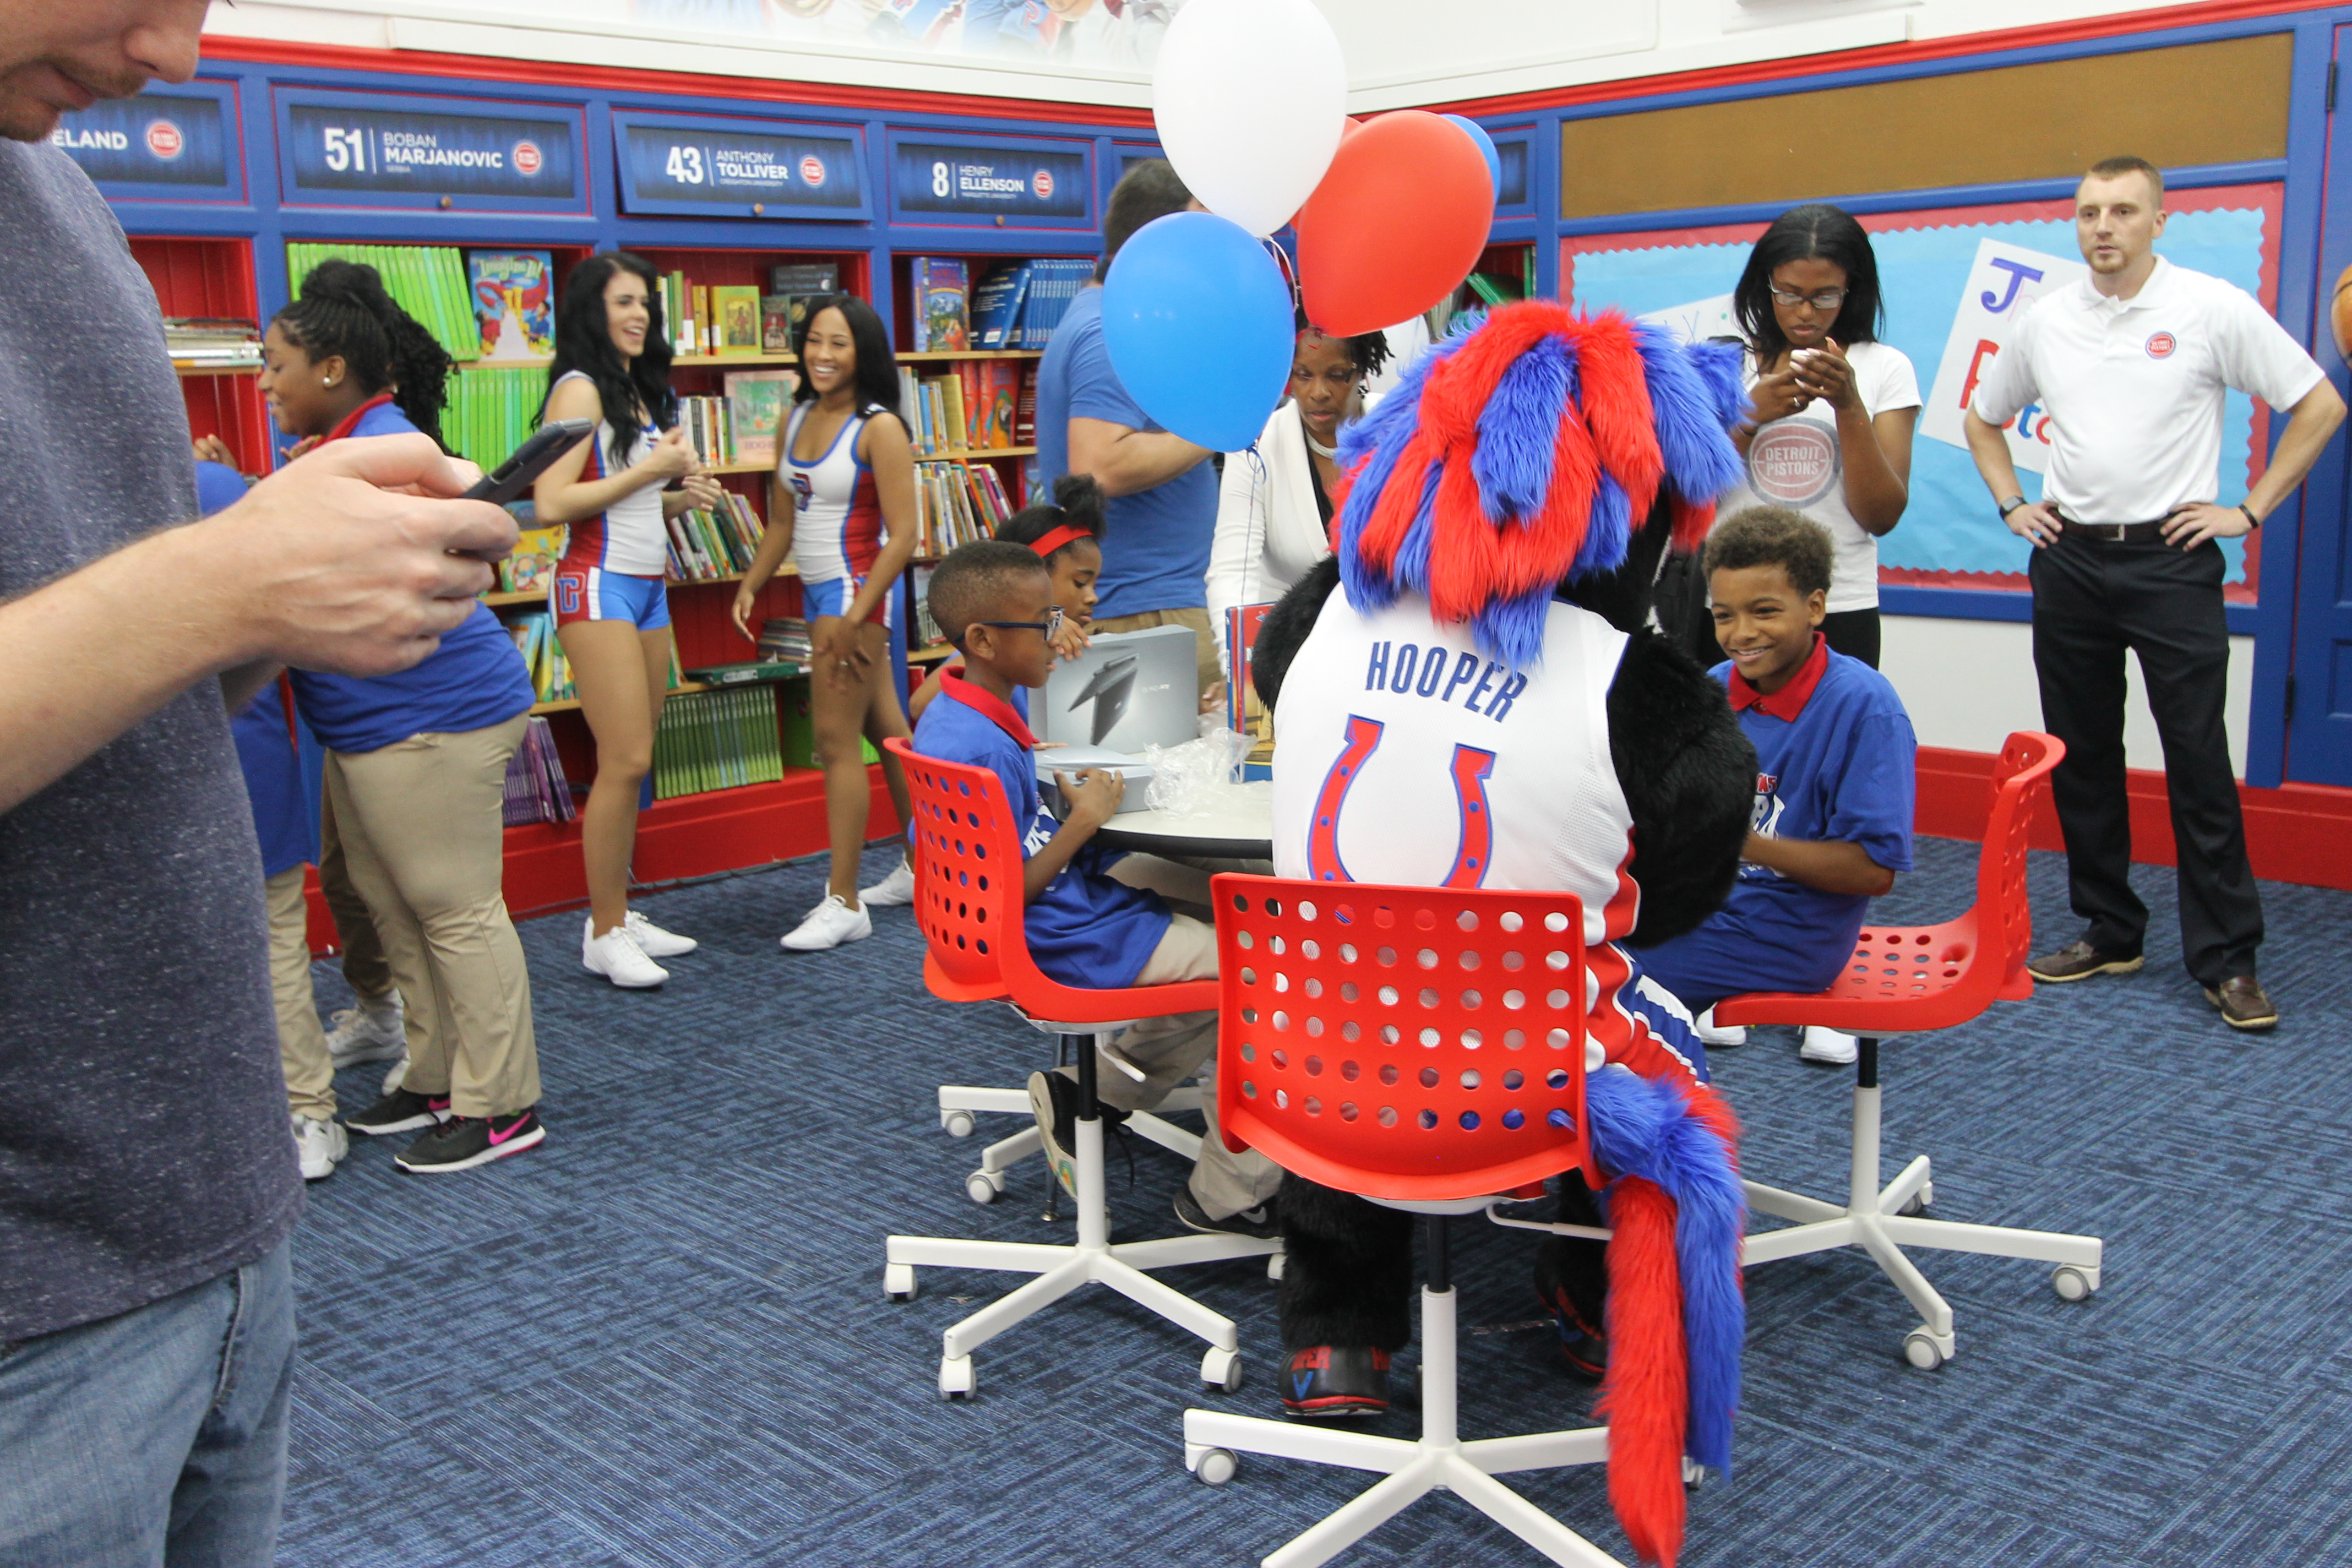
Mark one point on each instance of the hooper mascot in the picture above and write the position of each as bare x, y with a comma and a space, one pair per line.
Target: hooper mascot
1481, 704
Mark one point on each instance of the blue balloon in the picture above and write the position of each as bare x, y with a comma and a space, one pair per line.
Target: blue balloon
1198, 322
1486, 145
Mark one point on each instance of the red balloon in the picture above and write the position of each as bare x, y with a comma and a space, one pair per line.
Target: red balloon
1399, 221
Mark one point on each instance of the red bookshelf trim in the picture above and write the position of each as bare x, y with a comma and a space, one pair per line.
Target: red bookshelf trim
2044, 34
2296, 833
618, 79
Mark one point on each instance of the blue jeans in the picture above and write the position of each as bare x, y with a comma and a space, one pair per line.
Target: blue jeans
154, 1439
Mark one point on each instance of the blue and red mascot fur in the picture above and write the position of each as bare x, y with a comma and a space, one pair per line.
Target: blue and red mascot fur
1536, 455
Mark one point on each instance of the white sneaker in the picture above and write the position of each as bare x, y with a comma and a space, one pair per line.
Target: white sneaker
829, 924
396, 1076
1708, 1035
656, 942
1827, 1046
320, 1146
371, 1032
616, 956
893, 890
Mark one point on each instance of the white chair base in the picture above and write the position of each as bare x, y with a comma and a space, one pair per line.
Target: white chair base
1881, 1221
958, 1103
1061, 1270
1439, 1460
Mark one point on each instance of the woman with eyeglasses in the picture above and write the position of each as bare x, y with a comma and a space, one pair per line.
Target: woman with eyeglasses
1829, 435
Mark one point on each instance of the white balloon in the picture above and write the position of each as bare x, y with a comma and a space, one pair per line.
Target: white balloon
1250, 97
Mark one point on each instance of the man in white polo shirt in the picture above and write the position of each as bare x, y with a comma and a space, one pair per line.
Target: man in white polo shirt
2133, 364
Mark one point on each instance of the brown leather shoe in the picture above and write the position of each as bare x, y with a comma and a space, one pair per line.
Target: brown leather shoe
2080, 961
2244, 1003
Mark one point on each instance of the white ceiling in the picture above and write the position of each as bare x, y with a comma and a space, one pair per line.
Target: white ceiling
1400, 52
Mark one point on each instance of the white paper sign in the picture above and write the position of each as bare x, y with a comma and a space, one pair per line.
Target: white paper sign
1699, 320
2003, 280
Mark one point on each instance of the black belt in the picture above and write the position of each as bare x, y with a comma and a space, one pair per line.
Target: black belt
2115, 533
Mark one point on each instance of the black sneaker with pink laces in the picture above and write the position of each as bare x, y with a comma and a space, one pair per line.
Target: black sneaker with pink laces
466, 1142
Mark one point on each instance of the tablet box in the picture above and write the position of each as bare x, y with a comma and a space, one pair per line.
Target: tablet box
1073, 759
1129, 690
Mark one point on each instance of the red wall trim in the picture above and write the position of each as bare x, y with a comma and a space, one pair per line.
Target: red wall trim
696, 835
617, 78
2041, 35
2297, 832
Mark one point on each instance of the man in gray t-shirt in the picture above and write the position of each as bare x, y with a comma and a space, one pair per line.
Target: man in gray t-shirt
147, 1172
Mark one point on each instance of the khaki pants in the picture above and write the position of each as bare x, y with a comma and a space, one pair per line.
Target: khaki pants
301, 1043
365, 970
1210, 669
1174, 1051
422, 826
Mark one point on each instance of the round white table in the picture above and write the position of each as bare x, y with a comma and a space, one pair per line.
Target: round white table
1240, 828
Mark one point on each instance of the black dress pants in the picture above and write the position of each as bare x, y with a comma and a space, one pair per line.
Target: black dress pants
2091, 603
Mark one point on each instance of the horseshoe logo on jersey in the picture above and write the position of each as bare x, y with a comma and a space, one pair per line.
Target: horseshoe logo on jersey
1473, 849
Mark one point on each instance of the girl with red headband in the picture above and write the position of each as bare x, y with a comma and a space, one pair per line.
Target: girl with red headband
1066, 535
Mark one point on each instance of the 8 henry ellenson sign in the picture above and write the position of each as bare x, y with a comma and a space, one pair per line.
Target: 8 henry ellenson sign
982, 181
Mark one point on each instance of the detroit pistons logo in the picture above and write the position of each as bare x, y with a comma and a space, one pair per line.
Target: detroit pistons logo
812, 171
1794, 462
803, 489
2160, 346
164, 141
1042, 182
528, 159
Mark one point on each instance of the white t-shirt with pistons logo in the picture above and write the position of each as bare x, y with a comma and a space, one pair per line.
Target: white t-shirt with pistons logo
1796, 463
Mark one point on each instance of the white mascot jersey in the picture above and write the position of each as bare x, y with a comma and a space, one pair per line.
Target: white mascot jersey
1405, 755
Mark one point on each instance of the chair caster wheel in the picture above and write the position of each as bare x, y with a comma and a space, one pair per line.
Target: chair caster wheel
898, 1281
1217, 1466
957, 1123
1274, 1266
1220, 1369
955, 1377
1919, 1201
2074, 1282
1922, 1349
984, 1186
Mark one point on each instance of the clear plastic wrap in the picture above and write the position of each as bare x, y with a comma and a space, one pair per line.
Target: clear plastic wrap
1192, 779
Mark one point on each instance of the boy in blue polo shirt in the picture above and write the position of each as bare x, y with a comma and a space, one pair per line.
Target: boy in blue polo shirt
1083, 927
1833, 787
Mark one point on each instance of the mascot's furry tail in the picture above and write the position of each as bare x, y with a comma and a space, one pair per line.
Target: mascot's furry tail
1523, 451
1676, 1313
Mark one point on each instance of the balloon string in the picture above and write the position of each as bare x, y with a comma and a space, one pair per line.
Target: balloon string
1282, 261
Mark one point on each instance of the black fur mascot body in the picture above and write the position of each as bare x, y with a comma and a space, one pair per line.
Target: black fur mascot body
1492, 501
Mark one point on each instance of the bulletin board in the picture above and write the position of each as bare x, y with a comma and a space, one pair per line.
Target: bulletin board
1939, 275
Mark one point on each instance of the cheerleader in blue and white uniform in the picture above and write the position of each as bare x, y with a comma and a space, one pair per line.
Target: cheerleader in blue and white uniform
843, 505
611, 607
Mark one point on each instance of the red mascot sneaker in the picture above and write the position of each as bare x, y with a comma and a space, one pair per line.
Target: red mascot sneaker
1336, 1383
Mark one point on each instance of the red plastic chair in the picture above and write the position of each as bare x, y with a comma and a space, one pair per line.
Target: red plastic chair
968, 902
1424, 1048
1903, 980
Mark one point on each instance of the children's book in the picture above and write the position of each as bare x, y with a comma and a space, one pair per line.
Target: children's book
942, 320
996, 306
757, 400
514, 302
532, 565
735, 308
805, 278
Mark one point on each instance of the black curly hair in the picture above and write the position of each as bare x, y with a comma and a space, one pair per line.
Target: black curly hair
344, 309
1773, 536
1078, 499
1366, 350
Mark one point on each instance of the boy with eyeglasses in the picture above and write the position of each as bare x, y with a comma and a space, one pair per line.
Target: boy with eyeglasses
1083, 926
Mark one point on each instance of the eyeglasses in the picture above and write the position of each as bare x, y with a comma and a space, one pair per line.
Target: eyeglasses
1050, 625
1825, 299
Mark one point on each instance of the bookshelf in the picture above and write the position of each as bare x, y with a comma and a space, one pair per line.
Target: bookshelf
199, 276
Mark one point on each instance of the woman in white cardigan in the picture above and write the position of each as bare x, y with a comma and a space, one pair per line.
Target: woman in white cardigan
1274, 517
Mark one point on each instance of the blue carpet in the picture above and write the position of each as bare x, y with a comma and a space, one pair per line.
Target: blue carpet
661, 1338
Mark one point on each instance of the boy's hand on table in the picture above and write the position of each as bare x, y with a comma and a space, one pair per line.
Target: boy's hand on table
1094, 795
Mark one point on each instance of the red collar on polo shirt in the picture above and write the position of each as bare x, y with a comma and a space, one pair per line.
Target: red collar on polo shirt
351, 421
1789, 700
954, 683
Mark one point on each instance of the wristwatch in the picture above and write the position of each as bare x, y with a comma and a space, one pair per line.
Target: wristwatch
2011, 505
